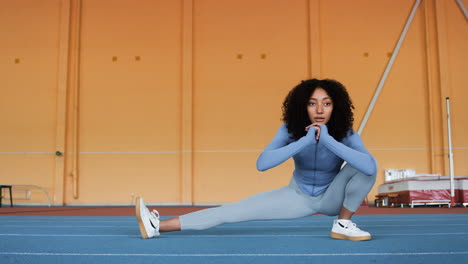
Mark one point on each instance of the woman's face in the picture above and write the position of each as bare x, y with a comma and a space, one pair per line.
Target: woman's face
319, 107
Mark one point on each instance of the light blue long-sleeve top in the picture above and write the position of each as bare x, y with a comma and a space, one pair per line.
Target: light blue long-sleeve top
316, 162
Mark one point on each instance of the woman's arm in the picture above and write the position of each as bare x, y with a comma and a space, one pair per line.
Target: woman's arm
355, 154
278, 151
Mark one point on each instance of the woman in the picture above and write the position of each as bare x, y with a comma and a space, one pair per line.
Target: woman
317, 133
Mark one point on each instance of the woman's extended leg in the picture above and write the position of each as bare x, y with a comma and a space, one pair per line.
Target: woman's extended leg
169, 225
282, 203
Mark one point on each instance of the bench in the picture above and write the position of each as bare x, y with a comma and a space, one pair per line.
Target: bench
1, 194
389, 199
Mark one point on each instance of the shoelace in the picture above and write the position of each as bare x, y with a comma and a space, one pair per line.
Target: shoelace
155, 214
154, 218
352, 226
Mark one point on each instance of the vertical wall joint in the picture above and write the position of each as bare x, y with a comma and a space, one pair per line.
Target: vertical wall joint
187, 103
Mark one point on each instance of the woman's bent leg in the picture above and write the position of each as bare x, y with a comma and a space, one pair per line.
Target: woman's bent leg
349, 188
283, 203
344, 196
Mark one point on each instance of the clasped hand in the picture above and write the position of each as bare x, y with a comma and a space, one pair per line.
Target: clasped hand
316, 126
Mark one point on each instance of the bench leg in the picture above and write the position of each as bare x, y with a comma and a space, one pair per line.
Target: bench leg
11, 198
1, 195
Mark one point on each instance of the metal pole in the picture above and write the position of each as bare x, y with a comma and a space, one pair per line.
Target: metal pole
76, 96
463, 9
389, 66
450, 154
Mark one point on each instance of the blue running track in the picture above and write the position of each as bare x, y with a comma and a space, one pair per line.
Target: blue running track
429, 238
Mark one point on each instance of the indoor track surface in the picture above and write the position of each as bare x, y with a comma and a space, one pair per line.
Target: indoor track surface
413, 238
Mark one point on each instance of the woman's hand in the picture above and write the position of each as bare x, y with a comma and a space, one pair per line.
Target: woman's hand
316, 126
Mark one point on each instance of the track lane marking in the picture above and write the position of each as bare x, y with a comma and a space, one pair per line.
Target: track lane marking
239, 255
227, 236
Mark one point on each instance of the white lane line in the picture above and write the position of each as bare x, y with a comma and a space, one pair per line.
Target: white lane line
230, 226
364, 225
67, 235
64, 221
226, 236
325, 235
362, 220
68, 226
238, 255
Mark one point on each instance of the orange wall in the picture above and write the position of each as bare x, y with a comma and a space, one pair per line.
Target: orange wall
175, 100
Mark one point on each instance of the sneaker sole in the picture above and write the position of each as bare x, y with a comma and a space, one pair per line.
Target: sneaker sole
144, 235
344, 237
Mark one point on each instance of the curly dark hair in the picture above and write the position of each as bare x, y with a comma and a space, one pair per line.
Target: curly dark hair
295, 108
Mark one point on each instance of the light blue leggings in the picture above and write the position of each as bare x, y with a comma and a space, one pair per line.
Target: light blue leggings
348, 189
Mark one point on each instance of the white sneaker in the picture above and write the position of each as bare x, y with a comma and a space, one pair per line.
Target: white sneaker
147, 221
345, 229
